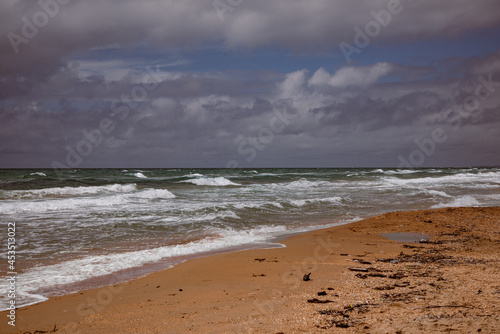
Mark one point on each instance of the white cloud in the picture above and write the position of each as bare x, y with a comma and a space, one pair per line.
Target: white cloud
351, 76
293, 84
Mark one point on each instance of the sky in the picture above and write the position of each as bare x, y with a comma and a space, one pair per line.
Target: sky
249, 83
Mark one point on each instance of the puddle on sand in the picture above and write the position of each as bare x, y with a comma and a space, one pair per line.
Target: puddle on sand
406, 236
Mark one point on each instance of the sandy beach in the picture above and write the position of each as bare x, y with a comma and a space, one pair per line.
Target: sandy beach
345, 279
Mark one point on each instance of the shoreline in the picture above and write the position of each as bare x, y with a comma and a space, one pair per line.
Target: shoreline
262, 290
135, 273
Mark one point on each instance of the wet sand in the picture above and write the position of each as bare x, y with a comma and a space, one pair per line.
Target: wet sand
359, 282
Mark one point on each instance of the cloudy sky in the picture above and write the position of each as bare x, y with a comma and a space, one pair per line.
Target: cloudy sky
249, 83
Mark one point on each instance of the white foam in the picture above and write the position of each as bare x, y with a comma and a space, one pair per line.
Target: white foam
256, 205
212, 181
61, 204
39, 174
304, 183
466, 200
302, 202
153, 193
140, 175
463, 180
400, 171
70, 191
436, 193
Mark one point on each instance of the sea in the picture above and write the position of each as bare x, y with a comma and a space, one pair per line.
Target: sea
77, 229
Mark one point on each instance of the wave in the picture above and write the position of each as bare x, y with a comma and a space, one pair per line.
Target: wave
401, 171
466, 200
463, 180
39, 174
194, 175
212, 181
260, 205
435, 193
153, 194
303, 202
69, 191
140, 175
58, 204
304, 183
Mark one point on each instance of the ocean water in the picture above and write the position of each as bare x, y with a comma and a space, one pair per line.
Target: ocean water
86, 228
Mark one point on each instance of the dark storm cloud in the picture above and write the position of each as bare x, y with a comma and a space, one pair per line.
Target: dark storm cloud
75, 26
177, 123
52, 96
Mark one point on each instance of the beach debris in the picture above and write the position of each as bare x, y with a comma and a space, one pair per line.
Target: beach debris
343, 323
330, 288
273, 259
376, 275
307, 277
361, 261
53, 330
419, 276
384, 287
439, 306
363, 255
260, 275
397, 275
428, 221
429, 242
180, 289
319, 301
342, 318
344, 254
322, 293
412, 246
